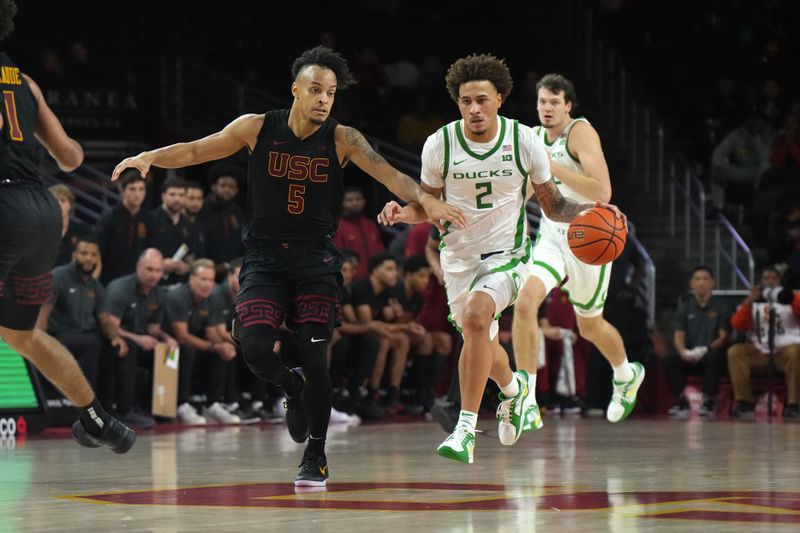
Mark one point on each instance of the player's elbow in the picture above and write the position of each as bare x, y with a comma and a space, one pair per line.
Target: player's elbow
70, 158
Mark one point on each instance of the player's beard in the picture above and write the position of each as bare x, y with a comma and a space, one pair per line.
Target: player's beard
316, 121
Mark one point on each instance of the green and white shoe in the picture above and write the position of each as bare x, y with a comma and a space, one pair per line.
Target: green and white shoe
459, 446
511, 411
533, 419
623, 399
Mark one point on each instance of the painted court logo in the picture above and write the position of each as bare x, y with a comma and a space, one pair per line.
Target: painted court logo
757, 507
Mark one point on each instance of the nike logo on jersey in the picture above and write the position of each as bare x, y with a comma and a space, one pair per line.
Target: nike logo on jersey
458, 162
314, 339
278, 143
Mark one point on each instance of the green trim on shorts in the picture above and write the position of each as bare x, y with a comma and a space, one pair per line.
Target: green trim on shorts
550, 269
455, 324
588, 306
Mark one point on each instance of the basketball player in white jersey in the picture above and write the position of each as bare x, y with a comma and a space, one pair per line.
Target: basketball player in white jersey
580, 170
486, 165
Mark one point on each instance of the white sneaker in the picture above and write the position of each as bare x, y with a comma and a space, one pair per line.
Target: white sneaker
338, 417
188, 415
623, 398
216, 413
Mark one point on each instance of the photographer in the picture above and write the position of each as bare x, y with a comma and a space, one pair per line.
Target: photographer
753, 316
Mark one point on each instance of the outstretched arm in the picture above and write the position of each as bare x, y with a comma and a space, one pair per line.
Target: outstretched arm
240, 133
351, 144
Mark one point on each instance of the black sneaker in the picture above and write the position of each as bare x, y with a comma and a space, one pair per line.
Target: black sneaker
313, 471
791, 411
295, 407
680, 409
744, 410
707, 409
116, 436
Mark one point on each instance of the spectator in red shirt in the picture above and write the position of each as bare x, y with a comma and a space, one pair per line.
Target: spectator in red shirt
753, 316
358, 232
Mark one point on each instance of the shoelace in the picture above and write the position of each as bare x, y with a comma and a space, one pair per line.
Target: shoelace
504, 410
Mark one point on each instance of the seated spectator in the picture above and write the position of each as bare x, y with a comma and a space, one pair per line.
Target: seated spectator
563, 383
71, 314
371, 300
122, 231
405, 303
222, 216
194, 319
170, 232
135, 305
358, 232
753, 317
700, 339
192, 206
740, 159
354, 349
71, 230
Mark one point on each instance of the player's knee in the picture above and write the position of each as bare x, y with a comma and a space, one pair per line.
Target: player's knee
257, 351
476, 319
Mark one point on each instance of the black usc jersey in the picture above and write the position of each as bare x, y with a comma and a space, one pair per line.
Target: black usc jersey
294, 186
20, 117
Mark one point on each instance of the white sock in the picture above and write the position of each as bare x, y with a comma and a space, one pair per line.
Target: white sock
467, 419
623, 373
511, 388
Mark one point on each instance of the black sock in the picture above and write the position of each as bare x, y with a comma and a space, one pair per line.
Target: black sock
292, 384
316, 445
94, 418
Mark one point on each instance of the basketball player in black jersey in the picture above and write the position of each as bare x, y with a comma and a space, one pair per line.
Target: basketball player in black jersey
30, 236
291, 266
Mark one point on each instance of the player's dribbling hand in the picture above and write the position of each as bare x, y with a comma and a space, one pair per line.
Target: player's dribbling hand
619, 214
140, 162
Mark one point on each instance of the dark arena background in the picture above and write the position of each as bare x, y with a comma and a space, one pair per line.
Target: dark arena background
697, 107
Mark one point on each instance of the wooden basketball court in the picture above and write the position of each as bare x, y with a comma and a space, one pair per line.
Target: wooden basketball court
573, 475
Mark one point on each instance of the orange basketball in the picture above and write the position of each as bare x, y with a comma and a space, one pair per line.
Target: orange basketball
596, 236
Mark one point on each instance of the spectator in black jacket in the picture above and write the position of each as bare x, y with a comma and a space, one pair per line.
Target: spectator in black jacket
222, 217
122, 230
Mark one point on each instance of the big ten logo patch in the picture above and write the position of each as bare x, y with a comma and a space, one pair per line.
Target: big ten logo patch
298, 167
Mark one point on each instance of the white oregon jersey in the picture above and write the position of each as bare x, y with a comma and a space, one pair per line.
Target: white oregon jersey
489, 183
559, 153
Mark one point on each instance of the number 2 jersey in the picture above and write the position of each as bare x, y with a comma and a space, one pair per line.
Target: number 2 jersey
20, 118
294, 186
489, 183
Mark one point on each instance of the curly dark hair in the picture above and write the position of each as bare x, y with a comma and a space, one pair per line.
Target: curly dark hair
479, 67
323, 56
8, 8
555, 83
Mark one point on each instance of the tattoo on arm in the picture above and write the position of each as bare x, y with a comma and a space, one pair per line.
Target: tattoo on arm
554, 205
355, 138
